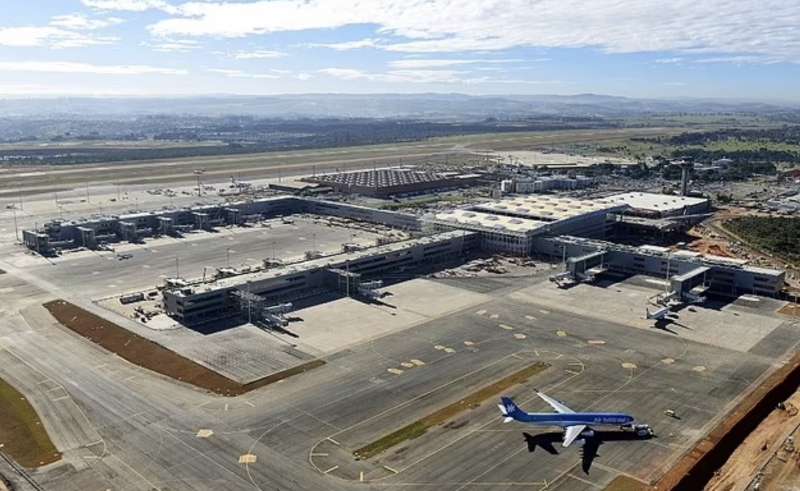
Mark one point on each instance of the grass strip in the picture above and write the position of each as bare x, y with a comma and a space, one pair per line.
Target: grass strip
152, 356
22, 434
419, 427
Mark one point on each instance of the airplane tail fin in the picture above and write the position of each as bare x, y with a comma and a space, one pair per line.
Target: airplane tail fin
509, 409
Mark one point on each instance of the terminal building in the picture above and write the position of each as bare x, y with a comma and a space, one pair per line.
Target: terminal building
93, 233
649, 213
509, 225
191, 303
573, 230
686, 270
661, 205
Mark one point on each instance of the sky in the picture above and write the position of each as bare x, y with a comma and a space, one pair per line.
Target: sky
743, 49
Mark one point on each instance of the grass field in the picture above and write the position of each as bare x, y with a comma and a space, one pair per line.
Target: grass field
419, 427
21, 431
153, 356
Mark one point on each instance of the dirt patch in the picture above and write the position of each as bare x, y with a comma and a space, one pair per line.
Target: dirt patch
791, 309
153, 356
21, 431
766, 441
697, 466
625, 483
418, 428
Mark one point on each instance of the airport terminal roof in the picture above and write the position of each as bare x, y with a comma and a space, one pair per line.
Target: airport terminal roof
547, 208
661, 203
486, 221
333, 261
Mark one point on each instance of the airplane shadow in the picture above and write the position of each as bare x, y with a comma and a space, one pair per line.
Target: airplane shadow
590, 448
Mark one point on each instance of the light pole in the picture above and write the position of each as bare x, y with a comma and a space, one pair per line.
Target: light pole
16, 230
198, 172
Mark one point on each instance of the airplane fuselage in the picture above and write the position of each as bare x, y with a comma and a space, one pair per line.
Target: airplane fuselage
574, 419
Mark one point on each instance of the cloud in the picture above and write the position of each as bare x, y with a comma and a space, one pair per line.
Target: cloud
63, 31
53, 37
739, 60
73, 67
761, 28
669, 61
81, 22
240, 74
173, 45
348, 45
131, 5
258, 55
435, 63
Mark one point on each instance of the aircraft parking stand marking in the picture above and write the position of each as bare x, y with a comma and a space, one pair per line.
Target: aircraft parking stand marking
517, 355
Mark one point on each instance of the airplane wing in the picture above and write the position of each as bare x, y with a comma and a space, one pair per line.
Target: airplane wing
557, 406
571, 433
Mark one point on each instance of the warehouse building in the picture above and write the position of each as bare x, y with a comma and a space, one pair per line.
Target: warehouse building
382, 183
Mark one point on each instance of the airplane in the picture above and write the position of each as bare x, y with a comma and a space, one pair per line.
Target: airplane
573, 423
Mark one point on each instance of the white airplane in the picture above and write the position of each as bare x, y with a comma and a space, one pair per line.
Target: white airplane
573, 423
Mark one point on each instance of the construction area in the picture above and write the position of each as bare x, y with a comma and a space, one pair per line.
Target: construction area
296, 342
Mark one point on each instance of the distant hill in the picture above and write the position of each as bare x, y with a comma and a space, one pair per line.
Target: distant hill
418, 106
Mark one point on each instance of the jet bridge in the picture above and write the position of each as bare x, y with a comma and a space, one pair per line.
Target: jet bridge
582, 269
690, 287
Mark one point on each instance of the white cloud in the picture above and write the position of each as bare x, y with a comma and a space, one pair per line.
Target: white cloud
131, 5
348, 45
669, 61
241, 74
436, 63
54, 37
762, 28
81, 22
345, 73
173, 45
258, 55
739, 60
74, 67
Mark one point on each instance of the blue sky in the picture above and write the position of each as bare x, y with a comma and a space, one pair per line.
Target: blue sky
712, 48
